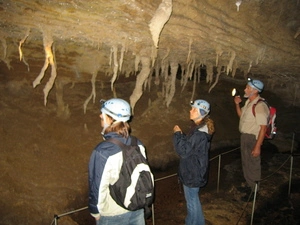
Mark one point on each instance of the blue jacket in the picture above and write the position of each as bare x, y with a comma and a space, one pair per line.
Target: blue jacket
193, 150
104, 168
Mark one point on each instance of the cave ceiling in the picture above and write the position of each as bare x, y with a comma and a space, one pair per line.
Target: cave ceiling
108, 39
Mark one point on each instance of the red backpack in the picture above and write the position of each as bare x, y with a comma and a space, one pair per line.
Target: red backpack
271, 128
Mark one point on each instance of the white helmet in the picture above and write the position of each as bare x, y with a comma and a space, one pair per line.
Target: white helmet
257, 84
117, 108
202, 105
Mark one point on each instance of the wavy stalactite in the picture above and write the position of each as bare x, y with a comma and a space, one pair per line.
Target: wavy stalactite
20, 48
195, 76
250, 66
123, 49
140, 79
189, 72
161, 16
234, 68
49, 59
217, 79
157, 80
189, 52
93, 93
4, 58
230, 63
170, 92
137, 62
115, 67
165, 76
210, 73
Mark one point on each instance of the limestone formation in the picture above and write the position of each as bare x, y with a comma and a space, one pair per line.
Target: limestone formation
253, 37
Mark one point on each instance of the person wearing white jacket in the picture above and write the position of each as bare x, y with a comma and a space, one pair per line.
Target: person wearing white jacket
105, 164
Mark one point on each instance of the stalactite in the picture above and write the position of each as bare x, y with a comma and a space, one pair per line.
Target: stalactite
157, 81
189, 73
166, 70
122, 57
154, 52
163, 67
165, 56
116, 66
49, 59
194, 85
182, 75
219, 52
229, 66
161, 16
93, 93
171, 92
261, 55
192, 68
199, 73
250, 66
141, 77
185, 76
238, 3
63, 110
22, 42
234, 68
4, 58
20, 49
110, 57
217, 79
209, 72
189, 53
137, 62
149, 79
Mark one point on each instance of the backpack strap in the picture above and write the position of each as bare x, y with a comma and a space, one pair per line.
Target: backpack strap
259, 100
121, 144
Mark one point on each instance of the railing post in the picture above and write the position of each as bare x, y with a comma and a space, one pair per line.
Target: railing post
219, 171
55, 219
254, 200
291, 171
291, 165
153, 217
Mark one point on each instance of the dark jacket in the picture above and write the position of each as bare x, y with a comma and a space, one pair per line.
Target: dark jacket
104, 168
193, 150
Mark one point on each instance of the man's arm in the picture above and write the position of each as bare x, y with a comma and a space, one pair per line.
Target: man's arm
261, 136
237, 101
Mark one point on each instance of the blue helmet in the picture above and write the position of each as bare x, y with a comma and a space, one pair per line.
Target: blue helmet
117, 108
202, 105
257, 84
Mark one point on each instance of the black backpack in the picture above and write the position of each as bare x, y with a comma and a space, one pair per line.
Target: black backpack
135, 187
